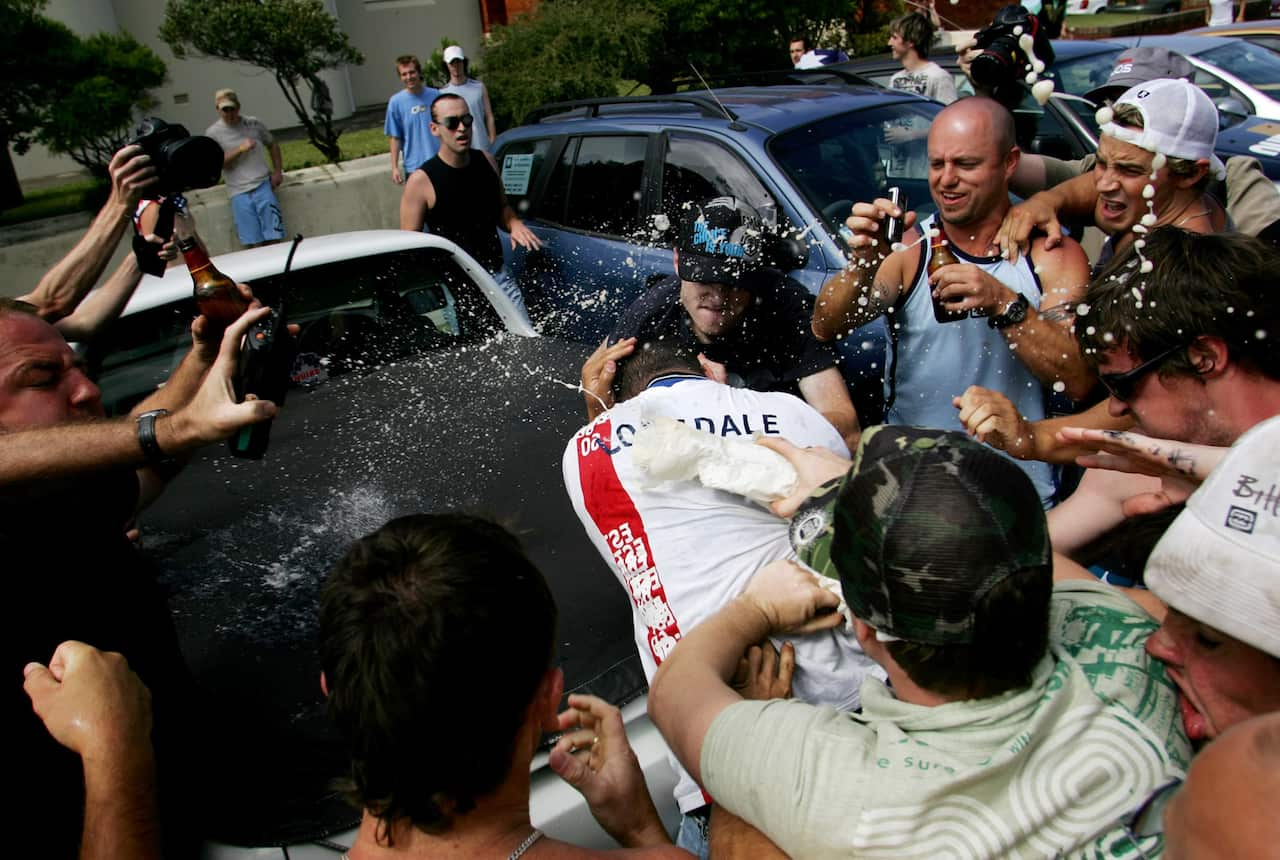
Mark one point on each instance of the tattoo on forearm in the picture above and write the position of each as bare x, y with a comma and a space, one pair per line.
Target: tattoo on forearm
1059, 313
1183, 462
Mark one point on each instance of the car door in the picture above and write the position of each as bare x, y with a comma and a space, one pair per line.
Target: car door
583, 196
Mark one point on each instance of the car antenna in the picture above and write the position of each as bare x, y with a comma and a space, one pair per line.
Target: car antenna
733, 123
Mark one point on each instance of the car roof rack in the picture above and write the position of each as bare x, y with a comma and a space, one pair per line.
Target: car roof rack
586, 108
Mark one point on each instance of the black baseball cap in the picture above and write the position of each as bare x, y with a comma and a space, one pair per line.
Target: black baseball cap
720, 241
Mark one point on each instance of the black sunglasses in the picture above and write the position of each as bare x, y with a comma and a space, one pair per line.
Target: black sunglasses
1148, 819
452, 122
1121, 385
228, 108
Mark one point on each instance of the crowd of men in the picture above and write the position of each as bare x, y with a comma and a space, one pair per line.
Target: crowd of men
904, 656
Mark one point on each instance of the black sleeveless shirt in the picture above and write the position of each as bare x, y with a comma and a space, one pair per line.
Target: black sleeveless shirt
468, 206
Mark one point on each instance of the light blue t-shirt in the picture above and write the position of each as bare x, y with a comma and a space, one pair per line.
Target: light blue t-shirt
409, 120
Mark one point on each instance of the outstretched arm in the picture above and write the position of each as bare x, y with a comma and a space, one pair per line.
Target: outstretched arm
1072, 200
872, 281
63, 286
210, 416
694, 684
826, 392
103, 305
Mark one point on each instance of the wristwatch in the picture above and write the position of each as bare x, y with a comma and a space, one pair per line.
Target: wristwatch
147, 438
1014, 314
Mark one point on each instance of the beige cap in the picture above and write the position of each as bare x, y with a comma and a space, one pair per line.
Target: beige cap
226, 98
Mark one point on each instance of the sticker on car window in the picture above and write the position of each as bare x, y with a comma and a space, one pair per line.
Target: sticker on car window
516, 170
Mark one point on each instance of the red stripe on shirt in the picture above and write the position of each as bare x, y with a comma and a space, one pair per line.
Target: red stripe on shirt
620, 525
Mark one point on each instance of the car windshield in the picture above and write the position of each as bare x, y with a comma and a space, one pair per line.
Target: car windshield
410, 396
1082, 74
855, 156
1256, 66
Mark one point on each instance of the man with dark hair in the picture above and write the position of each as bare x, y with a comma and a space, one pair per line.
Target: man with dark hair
726, 303
682, 550
980, 320
1186, 348
796, 48
407, 125
1020, 718
406, 617
457, 195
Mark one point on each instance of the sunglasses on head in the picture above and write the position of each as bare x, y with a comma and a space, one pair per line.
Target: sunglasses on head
227, 108
452, 122
1121, 385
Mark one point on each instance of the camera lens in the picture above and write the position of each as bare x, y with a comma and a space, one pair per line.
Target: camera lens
193, 162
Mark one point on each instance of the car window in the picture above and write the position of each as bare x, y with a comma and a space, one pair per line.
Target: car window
520, 165
353, 315
597, 185
696, 168
1256, 66
1218, 89
854, 156
1080, 75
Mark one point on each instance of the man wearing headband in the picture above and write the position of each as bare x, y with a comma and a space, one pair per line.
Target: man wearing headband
1021, 718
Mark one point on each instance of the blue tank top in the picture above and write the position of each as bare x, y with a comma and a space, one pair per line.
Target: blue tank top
937, 361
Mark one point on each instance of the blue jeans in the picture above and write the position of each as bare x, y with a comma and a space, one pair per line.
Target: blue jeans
257, 215
694, 834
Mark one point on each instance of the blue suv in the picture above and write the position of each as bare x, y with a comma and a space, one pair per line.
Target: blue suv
602, 183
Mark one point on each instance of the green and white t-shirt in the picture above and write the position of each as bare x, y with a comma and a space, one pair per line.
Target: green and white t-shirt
1043, 772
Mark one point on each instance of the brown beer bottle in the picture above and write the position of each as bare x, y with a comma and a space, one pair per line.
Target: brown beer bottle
940, 255
216, 295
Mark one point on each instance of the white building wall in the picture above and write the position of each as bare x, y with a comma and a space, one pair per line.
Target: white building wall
380, 29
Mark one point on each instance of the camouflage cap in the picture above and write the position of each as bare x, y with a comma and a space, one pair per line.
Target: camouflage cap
920, 529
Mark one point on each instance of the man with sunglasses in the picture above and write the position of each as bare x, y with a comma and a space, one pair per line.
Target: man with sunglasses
457, 195
254, 206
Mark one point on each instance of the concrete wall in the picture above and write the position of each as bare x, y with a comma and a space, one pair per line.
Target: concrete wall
354, 195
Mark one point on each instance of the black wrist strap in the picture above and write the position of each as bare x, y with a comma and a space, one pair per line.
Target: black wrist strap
147, 437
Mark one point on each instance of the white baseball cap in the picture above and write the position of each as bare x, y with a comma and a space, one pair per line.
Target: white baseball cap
1179, 120
1219, 562
454, 52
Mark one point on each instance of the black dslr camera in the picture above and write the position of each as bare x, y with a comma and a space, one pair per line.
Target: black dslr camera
1002, 66
182, 162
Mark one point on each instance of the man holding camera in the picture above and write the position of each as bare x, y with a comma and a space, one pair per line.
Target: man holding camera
251, 185
725, 302
71, 482
996, 334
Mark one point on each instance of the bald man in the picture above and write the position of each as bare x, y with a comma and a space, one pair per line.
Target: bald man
1008, 324
1226, 808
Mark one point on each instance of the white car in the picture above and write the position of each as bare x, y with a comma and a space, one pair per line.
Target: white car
1086, 7
434, 392
1240, 77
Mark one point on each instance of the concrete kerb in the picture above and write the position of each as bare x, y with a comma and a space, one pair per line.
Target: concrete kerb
331, 198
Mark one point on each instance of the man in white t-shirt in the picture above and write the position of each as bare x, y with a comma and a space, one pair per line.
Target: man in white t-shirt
1220, 12
682, 550
909, 39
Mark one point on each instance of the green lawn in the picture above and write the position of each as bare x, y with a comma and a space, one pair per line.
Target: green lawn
1104, 19
62, 200
355, 144
79, 195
